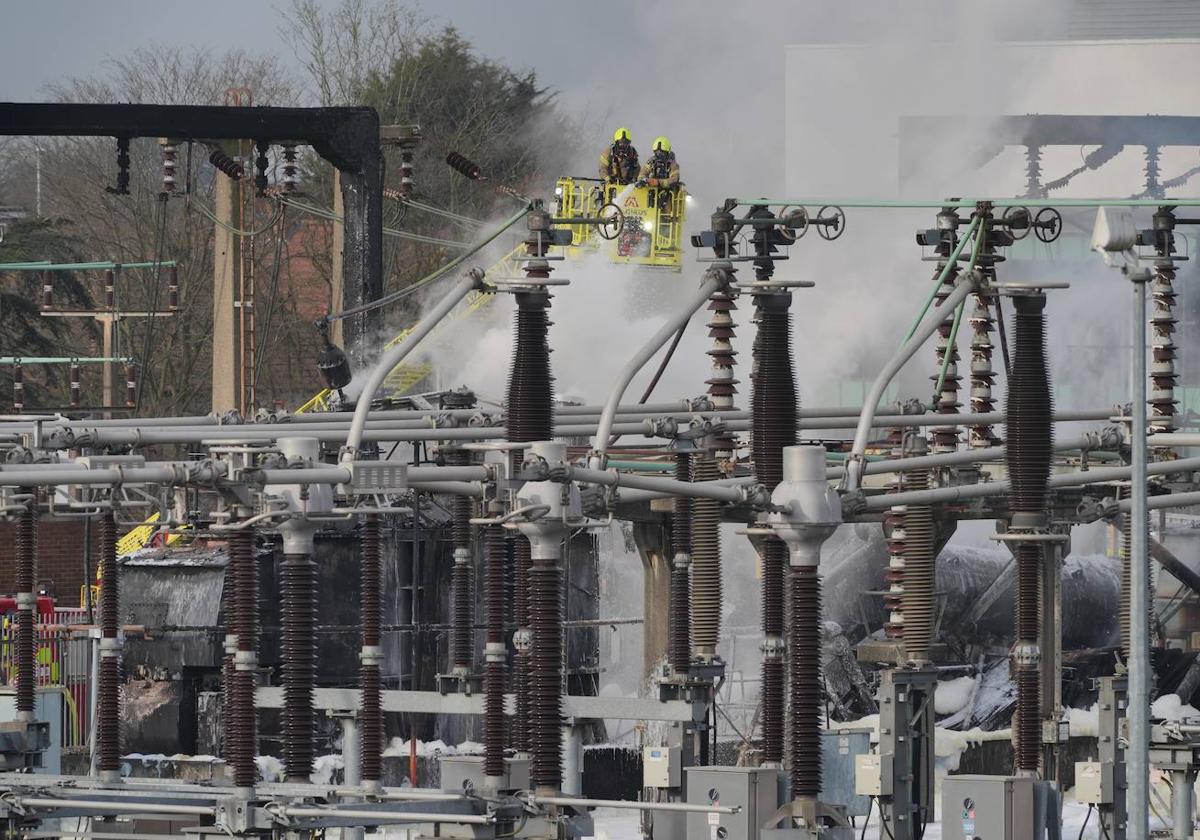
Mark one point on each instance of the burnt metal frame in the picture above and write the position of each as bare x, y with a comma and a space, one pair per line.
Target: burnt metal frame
1044, 130
346, 137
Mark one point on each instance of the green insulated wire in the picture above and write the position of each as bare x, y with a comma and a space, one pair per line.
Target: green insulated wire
950, 345
900, 204
941, 278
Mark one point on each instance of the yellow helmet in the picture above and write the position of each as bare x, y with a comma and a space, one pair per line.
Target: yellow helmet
622, 134
661, 144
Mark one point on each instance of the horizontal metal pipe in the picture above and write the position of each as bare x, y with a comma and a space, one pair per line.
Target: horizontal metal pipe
402, 794
111, 807
1166, 501
1173, 439
384, 817
453, 488
669, 486
627, 804
962, 456
196, 428
999, 488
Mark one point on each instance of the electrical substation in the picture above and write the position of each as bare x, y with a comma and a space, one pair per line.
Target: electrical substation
394, 609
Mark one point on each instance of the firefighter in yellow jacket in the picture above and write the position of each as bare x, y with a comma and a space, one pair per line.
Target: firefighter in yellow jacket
619, 162
661, 170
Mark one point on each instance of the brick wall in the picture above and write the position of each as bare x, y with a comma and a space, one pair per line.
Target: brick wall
60, 557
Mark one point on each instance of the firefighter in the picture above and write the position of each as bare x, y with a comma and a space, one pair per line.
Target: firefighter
619, 162
661, 170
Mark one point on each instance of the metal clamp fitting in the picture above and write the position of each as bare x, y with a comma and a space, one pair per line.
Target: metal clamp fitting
1026, 654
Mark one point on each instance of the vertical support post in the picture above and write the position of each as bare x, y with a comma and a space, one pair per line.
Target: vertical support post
107, 328
337, 258
1138, 753
226, 268
1050, 645
362, 200
351, 756
1183, 801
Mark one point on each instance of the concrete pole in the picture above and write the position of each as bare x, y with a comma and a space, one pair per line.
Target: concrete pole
351, 773
337, 286
226, 268
1138, 754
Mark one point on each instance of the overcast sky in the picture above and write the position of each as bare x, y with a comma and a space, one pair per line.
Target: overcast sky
707, 73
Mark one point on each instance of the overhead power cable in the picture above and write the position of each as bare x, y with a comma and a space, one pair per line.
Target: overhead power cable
431, 277
401, 234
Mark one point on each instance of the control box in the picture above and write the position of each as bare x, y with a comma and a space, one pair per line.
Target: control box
1089, 782
755, 790
999, 808
840, 752
464, 774
661, 767
868, 775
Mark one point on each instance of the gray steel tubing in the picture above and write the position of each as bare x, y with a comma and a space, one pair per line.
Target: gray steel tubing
632, 805
1161, 502
669, 486
453, 488
403, 794
638, 495
715, 280
391, 430
999, 488
132, 437
946, 459
394, 355
1174, 439
387, 817
934, 319
119, 807
32, 476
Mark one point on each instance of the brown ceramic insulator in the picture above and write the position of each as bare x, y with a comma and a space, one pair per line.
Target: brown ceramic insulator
771, 716
545, 678
774, 407
227, 741
1030, 447
371, 711
894, 529
679, 623
462, 581
945, 438
804, 651
108, 715
530, 410
774, 561
1028, 735
495, 550
108, 701
706, 562
983, 377
26, 574
521, 658
774, 403
1029, 407
298, 589
242, 725
1163, 378
723, 358
919, 596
